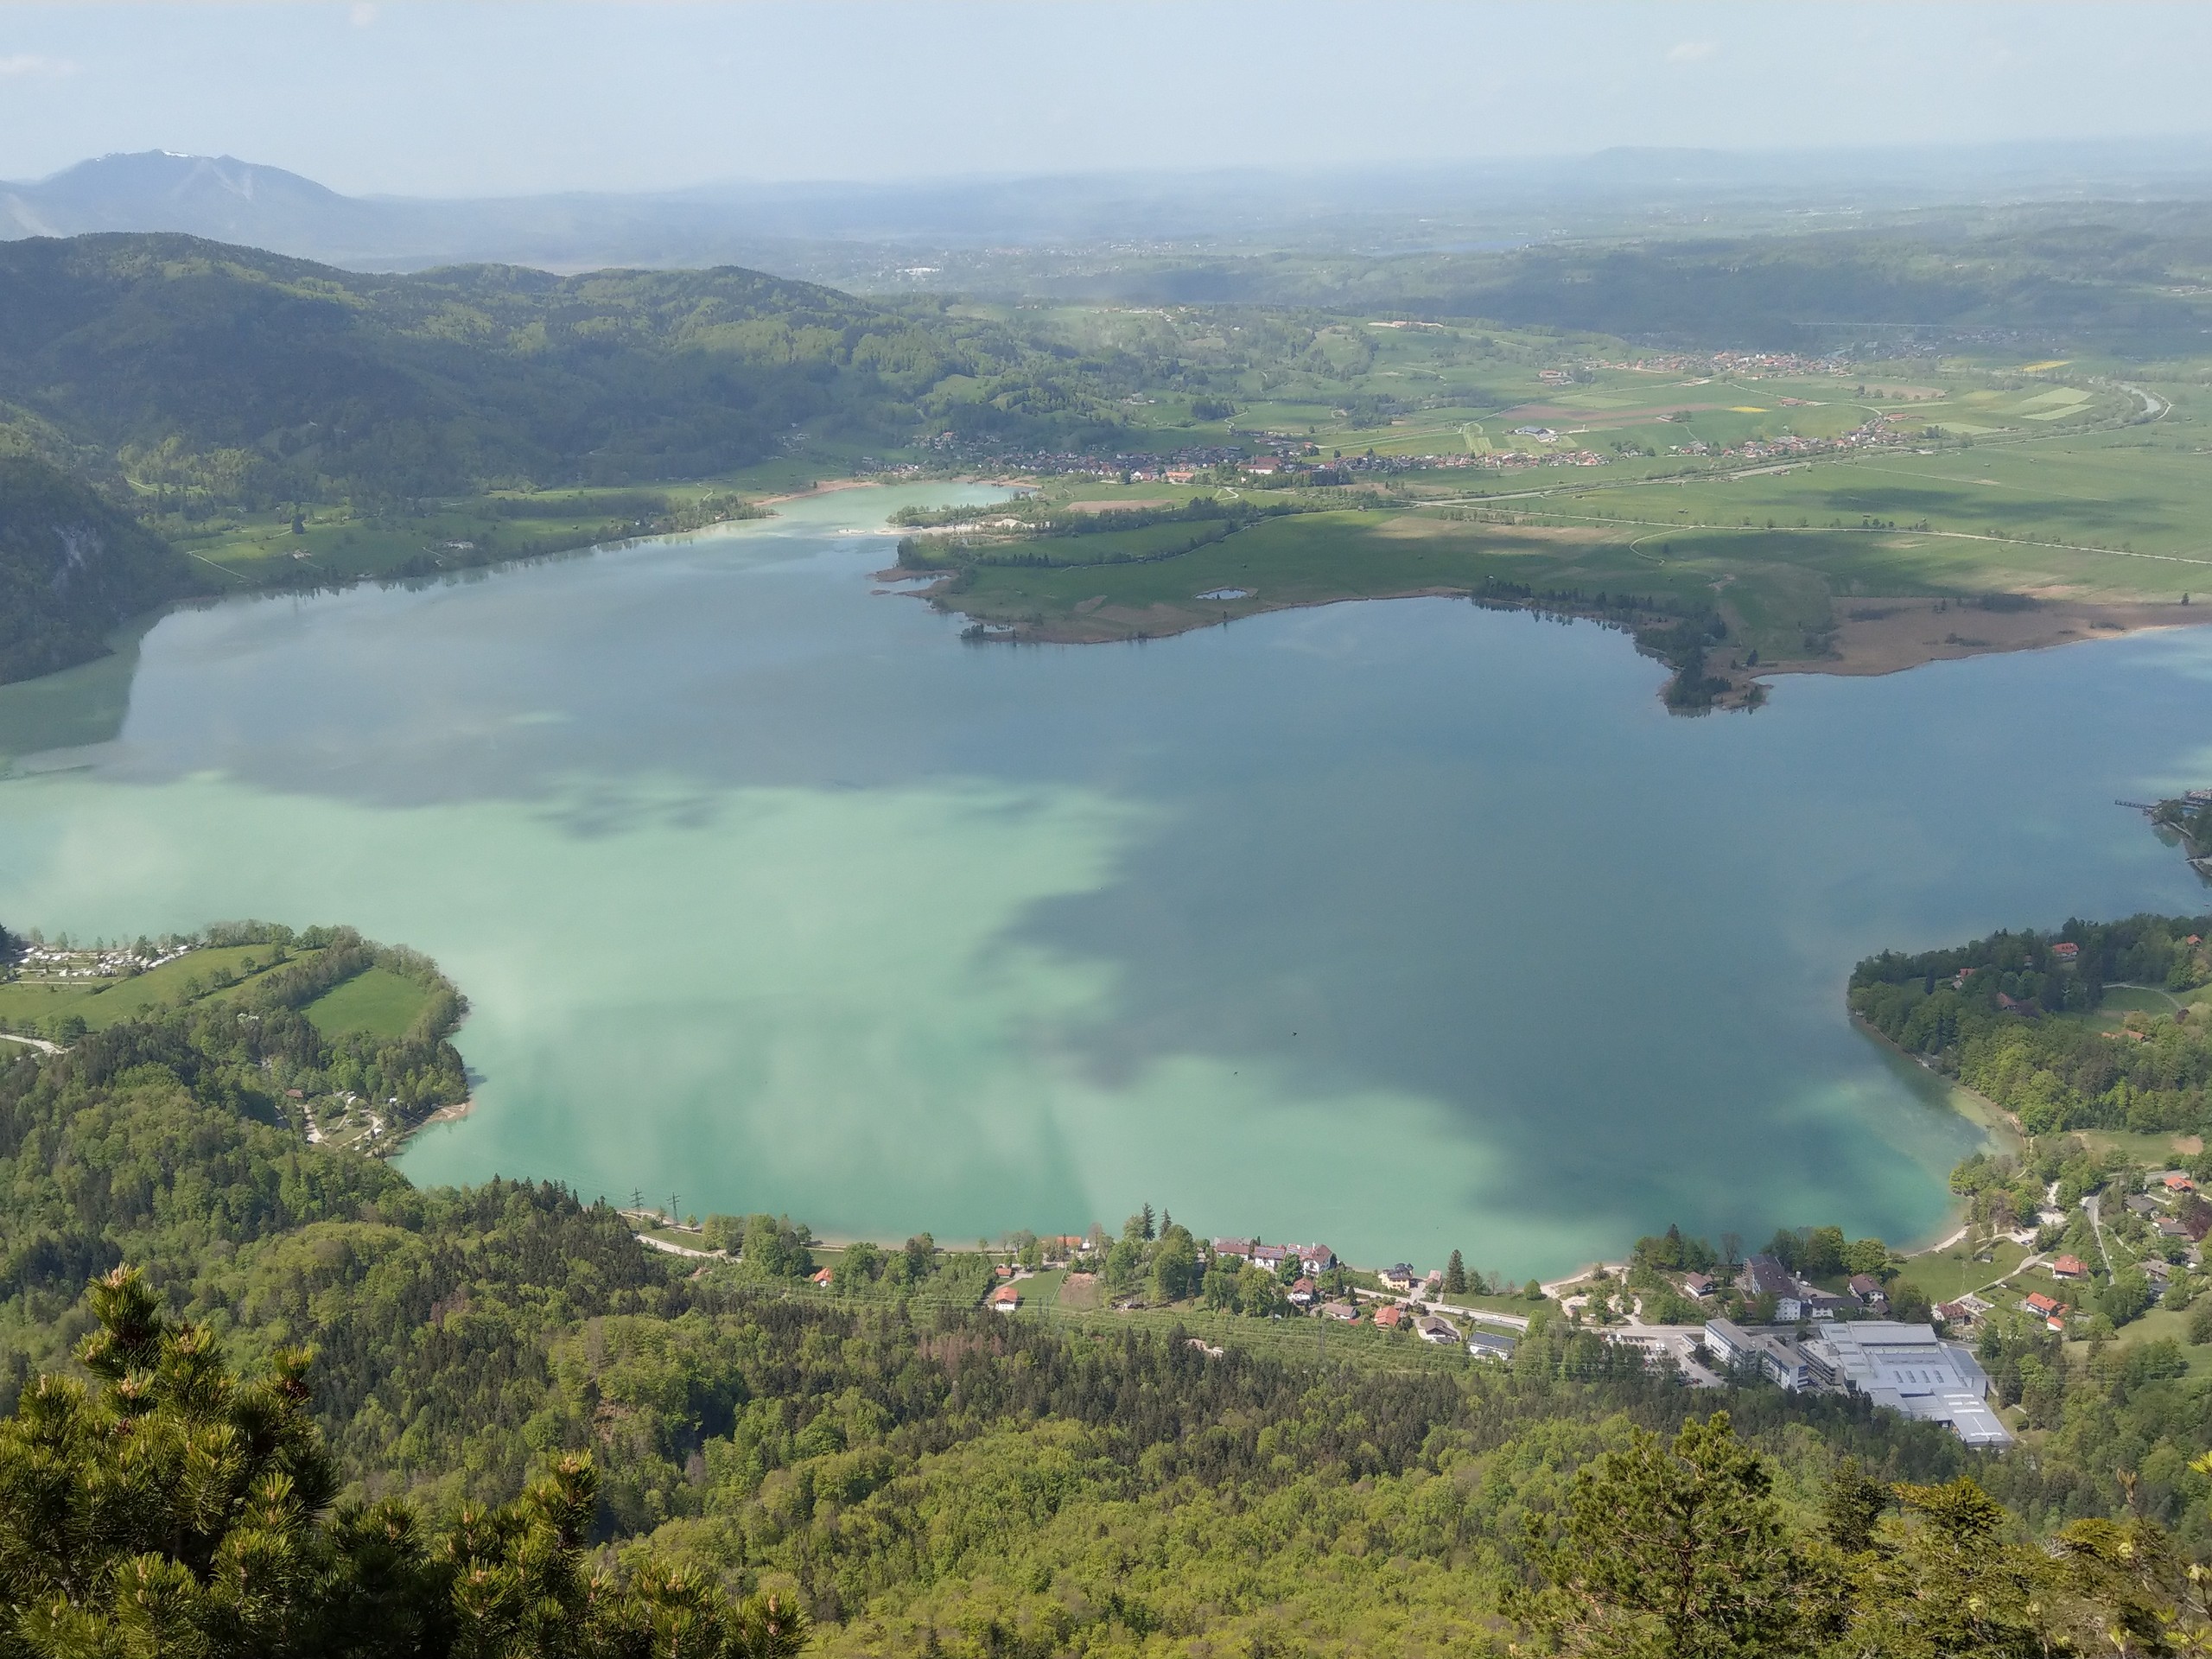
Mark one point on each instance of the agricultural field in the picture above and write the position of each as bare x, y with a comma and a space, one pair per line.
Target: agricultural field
375, 1000
337, 545
2074, 505
38, 1003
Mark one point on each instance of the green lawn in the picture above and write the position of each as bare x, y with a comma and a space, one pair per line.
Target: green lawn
375, 1000
1949, 1274
2155, 1326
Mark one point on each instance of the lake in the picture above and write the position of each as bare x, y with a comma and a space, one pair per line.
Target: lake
1402, 927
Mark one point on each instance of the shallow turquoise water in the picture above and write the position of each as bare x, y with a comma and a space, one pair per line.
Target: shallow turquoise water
1407, 926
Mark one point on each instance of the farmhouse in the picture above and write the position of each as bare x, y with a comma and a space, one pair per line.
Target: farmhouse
1006, 1298
1389, 1318
1433, 1329
2068, 1267
1868, 1289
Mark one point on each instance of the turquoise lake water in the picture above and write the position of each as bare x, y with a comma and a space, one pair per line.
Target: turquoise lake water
1405, 926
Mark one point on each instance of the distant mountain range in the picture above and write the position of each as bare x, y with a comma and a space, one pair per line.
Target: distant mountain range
885, 236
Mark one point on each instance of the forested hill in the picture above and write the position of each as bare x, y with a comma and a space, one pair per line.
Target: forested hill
196, 368
71, 567
917, 1475
2027, 1019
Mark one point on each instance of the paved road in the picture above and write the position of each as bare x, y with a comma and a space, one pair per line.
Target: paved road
2097, 1226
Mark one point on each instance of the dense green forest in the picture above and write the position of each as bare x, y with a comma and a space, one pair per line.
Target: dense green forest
2009, 1016
71, 567
213, 374
508, 1394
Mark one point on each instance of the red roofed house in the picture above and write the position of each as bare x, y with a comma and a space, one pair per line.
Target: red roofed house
2068, 1267
2039, 1303
822, 1277
1390, 1319
1302, 1292
1006, 1298
2178, 1182
2066, 951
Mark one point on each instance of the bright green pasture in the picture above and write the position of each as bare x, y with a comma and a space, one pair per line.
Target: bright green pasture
1314, 558
337, 545
101, 1003
1949, 1273
375, 1000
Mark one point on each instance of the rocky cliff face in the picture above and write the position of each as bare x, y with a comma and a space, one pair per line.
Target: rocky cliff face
71, 569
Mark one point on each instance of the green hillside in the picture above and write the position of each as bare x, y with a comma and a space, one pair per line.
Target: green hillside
204, 374
507, 1393
71, 569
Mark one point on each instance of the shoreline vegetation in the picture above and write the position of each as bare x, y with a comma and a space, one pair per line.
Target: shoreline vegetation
337, 1021
2187, 820
1743, 510
746, 1431
1014, 572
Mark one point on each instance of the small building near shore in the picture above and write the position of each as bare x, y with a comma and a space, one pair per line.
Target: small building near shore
1488, 1344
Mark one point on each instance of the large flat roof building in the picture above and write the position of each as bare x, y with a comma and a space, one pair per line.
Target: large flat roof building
1911, 1370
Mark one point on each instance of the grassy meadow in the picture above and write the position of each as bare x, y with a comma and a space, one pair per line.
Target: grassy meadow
375, 1000
29, 1003
2006, 490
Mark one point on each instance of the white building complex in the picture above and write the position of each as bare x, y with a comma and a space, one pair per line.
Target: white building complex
1907, 1368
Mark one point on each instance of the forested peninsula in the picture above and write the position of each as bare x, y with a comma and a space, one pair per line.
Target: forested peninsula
353, 1415
2032, 1021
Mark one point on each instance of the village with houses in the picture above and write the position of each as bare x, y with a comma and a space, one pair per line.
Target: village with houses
1846, 1318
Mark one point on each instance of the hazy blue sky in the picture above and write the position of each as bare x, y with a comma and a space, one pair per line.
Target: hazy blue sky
445, 97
